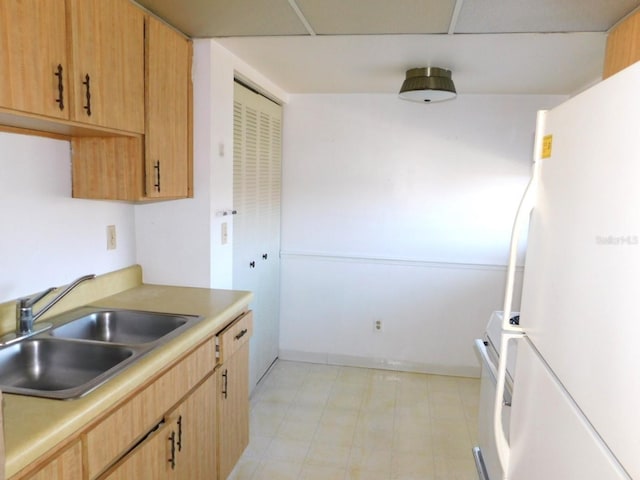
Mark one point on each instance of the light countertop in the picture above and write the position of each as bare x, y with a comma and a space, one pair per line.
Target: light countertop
35, 425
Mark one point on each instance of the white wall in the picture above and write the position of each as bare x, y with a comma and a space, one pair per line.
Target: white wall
387, 208
175, 239
179, 242
430, 313
399, 212
48, 238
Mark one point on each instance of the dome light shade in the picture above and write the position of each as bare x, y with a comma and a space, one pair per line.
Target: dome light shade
429, 84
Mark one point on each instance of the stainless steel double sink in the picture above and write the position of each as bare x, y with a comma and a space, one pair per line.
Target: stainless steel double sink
85, 348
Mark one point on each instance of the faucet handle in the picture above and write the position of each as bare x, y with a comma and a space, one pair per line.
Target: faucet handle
28, 302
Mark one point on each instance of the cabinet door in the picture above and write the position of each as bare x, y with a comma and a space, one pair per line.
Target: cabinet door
118, 432
233, 410
623, 46
168, 75
32, 45
181, 448
107, 55
125, 169
65, 466
196, 458
152, 458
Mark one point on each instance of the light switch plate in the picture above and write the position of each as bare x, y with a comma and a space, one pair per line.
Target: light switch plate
111, 237
224, 238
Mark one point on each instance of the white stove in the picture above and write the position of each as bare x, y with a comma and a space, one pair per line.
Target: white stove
485, 454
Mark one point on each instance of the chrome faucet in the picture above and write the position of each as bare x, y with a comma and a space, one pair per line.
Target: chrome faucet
24, 307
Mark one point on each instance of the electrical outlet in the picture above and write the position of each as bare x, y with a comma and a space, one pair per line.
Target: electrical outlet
377, 325
111, 237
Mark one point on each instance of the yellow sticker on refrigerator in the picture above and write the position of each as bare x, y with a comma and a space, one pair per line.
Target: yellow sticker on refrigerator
547, 141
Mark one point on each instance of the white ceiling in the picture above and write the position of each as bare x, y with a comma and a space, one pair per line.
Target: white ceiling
362, 46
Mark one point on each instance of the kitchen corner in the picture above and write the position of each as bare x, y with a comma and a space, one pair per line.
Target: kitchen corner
36, 427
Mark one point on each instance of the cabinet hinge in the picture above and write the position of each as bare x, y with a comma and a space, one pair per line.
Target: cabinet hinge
217, 347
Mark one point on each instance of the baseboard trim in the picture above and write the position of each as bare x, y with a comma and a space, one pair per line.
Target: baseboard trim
378, 363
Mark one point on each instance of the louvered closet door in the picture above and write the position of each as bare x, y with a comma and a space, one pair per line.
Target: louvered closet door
256, 227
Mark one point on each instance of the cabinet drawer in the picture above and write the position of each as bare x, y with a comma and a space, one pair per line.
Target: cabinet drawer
110, 438
235, 336
147, 460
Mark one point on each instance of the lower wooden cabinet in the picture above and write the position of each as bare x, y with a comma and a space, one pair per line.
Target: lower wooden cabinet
233, 410
233, 394
182, 446
63, 466
118, 432
197, 457
189, 423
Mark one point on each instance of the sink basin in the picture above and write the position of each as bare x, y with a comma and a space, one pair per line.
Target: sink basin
48, 367
121, 326
86, 347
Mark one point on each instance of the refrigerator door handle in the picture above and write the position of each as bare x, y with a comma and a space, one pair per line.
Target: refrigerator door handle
513, 332
522, 217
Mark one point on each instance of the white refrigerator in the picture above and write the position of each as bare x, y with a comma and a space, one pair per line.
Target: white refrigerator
575, 411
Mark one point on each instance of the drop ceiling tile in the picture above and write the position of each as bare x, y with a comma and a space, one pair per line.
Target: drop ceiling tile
480, 64
359, 17
513, 16
221, 18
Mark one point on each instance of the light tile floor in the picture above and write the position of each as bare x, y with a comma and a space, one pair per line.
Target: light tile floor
323, 422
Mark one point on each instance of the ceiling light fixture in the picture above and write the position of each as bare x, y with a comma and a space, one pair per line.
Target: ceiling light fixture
428, 84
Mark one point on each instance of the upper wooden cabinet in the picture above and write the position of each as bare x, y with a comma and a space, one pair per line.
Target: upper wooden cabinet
107, 58
623, 46
158, 165
167, 98
33, 57
112, 78
81, 61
